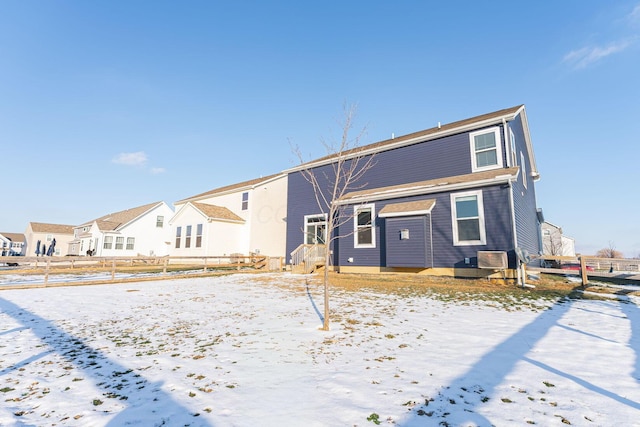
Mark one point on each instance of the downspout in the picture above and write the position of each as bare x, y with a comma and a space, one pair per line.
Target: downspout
513, 226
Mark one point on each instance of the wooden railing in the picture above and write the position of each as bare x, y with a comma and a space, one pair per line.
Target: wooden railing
307, 257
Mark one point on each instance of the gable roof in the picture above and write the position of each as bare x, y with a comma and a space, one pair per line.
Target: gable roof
451, 183
41, 227
14, 237
217, 212
439, 131
250, 184
116, 220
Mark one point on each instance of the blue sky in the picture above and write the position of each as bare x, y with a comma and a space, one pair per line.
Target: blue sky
110, 105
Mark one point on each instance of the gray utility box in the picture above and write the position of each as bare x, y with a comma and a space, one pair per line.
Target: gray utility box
494, 260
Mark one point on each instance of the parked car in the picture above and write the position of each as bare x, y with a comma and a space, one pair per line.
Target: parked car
574, 266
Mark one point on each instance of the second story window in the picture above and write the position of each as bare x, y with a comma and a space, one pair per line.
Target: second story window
486, 150
245, 201
159, 221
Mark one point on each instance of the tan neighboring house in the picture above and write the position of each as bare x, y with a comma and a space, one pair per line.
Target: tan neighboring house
43, 233
12, 244
143, 230
556, 243
244, 218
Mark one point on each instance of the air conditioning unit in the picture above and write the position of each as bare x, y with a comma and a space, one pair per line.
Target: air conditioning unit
494, 260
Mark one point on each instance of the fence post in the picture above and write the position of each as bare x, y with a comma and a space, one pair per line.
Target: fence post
46, 273
113, 270
583, 271
164, 266
205, 264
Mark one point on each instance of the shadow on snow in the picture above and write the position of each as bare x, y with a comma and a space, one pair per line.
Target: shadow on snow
115, 380
466, 394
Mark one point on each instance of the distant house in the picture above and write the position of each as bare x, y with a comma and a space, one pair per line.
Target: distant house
12, 244
45, 234
433, 202
143, 230
554, 242
243, 218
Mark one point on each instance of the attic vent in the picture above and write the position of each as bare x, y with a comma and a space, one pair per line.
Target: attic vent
494, 260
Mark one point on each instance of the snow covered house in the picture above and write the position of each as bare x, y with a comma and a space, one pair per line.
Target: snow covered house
243, 218
43, 233
438, 201
142, 230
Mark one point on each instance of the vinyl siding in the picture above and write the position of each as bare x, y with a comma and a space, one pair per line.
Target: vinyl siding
412, 252
524, 199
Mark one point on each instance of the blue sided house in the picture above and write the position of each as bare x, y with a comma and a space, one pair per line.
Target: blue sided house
457, 200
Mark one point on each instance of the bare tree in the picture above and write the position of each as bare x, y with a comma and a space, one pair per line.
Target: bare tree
609, 252
349, 163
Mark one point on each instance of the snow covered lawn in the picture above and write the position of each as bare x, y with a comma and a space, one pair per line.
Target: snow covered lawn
245, 350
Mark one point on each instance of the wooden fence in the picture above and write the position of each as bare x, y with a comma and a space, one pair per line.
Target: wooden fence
589, 266
162, 266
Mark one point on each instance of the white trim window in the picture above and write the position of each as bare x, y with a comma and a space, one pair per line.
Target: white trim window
245, 200
119, 242
524, 170
131, 241
315, 229
108, 243
467, 217
364, 235
486, 149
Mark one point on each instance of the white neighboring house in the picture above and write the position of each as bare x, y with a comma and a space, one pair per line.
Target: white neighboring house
12, 244
556, 243
244, 218
45, 233
143, 230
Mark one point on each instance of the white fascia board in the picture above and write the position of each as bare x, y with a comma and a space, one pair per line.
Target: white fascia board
406, 213
236, 190
429, 189
527, 139
391, 146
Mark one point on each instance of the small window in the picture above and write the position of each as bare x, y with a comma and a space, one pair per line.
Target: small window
130, 243
486, 152
467, 214
245, 201
160, 221
119, 242
178, 235
108, 242
524, 170
404, 234
49, 237
187, 237
199, 236
364, 229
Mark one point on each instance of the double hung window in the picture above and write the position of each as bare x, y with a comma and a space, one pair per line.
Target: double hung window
364, 230
486, 151
467, 214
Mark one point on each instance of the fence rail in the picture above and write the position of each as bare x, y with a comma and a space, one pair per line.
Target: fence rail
589, 266
163, 266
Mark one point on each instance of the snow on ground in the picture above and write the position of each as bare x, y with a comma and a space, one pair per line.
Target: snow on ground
241, 350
